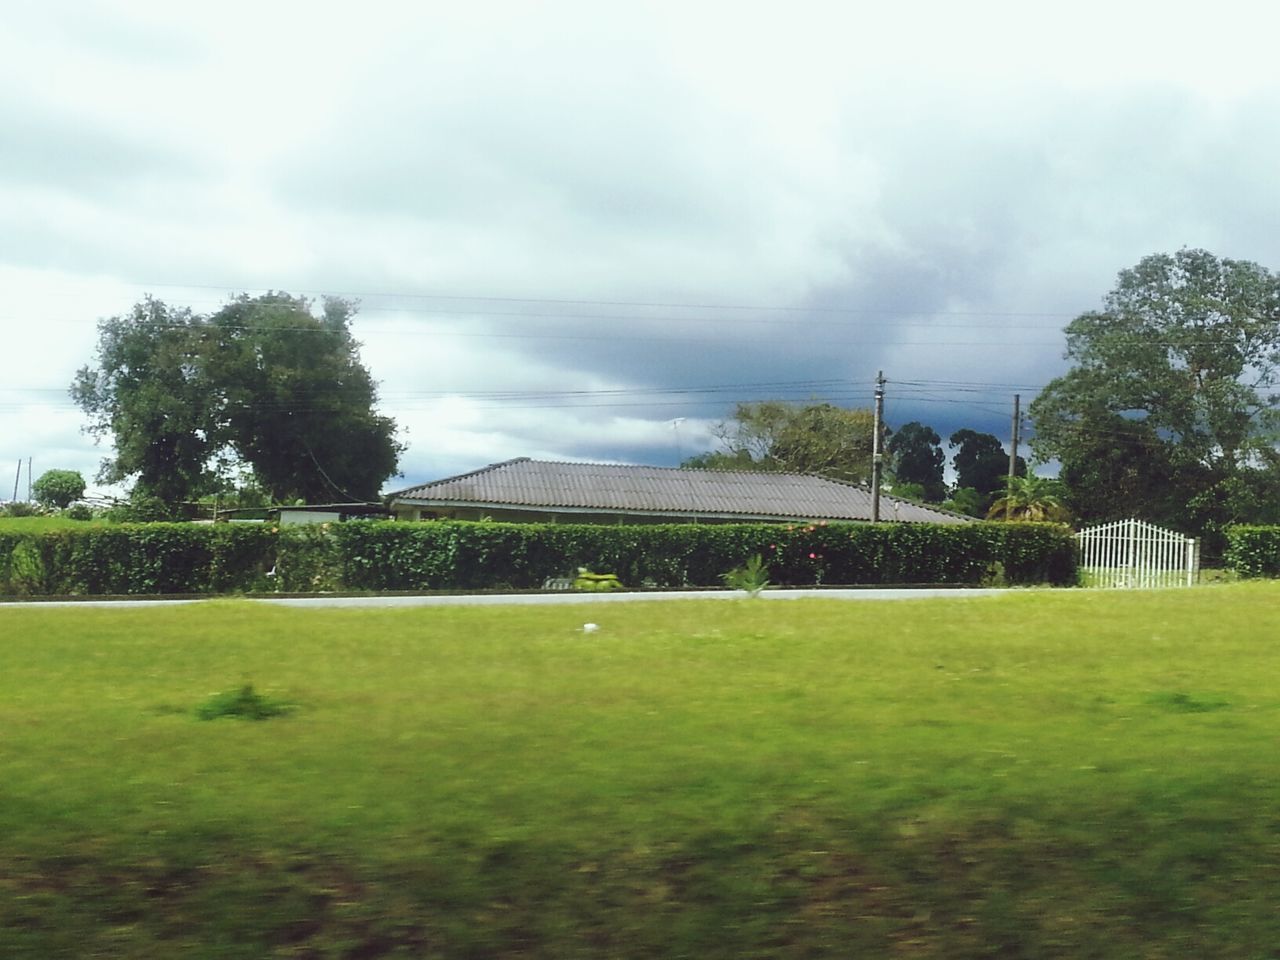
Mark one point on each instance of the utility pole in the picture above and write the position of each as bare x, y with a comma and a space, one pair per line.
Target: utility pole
876, 456
16, 477
1013, 458
1013, 450
675, 428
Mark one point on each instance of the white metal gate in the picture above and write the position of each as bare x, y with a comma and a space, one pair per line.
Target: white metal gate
1131, 553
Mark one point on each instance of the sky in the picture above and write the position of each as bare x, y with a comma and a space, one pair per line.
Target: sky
584, 231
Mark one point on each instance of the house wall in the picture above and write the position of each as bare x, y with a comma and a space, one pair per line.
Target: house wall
289, 518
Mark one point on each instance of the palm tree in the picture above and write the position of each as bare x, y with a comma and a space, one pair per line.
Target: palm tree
1030, 498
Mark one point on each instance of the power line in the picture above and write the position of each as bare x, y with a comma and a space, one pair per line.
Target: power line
568, 301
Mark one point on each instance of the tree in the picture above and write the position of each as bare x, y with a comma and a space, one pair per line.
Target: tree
149, 394
817, 438
982, 464
1175, 380
918, 458
296, 404
1030, 498
968, 501
1116, 465
720, 460
907, 491
263, 382
58, 488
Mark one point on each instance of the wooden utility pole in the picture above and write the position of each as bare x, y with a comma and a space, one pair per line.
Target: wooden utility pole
16, 478
1013, 458
876, 456
1013, 449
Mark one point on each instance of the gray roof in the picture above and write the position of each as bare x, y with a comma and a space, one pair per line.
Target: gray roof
662, 491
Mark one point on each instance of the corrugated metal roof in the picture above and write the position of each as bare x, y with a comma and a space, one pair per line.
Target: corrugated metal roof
615, 488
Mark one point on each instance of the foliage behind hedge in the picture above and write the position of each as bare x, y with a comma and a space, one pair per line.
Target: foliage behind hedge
1253, 551
362, 555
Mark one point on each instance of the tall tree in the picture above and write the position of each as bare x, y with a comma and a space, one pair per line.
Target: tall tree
815, 438
296, 403
1115, 469
264, 382
148, 393
981, 462
918, 458
1186, 351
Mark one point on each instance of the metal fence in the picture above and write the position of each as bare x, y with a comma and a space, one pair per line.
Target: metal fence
1131, 553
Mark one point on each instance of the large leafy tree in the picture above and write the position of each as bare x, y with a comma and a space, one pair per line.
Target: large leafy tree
149, 394
264, 382
918, 458
1118, 468
817, 438
1173, 386
296, 404
982, 464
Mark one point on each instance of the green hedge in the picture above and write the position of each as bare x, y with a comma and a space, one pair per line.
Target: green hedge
373, 556
1253, 551
144, 558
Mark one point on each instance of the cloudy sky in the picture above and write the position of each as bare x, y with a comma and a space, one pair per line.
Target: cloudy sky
583, 230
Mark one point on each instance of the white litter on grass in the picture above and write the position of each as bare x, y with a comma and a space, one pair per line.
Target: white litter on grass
590, 627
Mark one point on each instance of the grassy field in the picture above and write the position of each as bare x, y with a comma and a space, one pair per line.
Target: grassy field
44, 524
1042, 774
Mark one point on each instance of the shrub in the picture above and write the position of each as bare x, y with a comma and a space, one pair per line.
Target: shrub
1253, 551
385, 555
388, 555
78, 511
152, 558
750, 578
596, 582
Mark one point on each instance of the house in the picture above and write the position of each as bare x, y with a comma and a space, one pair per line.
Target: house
549, 492
330, 513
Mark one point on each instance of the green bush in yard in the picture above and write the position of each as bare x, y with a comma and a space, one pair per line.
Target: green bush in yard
1253, 551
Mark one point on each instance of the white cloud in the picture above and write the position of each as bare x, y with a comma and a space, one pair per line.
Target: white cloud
927, 188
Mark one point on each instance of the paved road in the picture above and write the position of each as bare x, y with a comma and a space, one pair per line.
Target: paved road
524, 599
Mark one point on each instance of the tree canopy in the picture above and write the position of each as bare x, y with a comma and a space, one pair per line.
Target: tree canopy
58, 488
817, 438
982, 462
1030, 498
1172, 387
263, 382
918, 459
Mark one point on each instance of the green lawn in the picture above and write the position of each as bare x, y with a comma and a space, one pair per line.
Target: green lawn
1041, 774
44, 524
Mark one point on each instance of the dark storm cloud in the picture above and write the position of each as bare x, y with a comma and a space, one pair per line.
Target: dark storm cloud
934, 203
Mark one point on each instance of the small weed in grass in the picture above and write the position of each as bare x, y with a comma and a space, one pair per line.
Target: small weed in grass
242, 704
1179, 702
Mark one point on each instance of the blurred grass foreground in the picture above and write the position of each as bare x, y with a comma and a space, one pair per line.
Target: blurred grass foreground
1039, 774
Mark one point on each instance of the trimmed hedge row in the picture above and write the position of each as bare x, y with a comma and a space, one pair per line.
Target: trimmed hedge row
1253, 551
144, 558
363, 555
